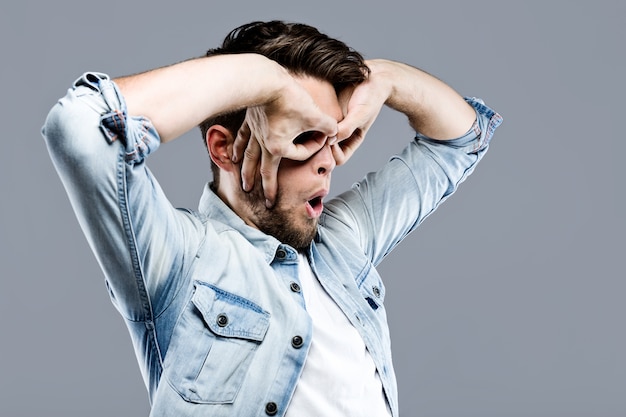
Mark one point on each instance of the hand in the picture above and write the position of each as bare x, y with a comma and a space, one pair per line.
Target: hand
270, 131
361, 106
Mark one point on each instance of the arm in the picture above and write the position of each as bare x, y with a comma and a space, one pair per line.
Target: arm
453, 135
432, 107
99, 134
181, 96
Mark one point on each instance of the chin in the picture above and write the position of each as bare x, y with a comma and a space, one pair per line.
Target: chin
281, 221
298, 238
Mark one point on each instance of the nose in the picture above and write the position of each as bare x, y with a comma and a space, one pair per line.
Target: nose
323, 160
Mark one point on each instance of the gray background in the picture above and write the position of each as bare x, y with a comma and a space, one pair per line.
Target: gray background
507, 302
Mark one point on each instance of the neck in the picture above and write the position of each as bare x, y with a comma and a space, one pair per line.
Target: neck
231, 193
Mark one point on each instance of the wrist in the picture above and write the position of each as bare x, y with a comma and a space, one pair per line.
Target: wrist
382, 79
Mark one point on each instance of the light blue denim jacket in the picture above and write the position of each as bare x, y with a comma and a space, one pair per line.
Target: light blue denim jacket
218, 325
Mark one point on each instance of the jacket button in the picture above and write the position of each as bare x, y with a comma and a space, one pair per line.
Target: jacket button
281, 254
376, 291
222, 320
297, 342
294, 287
271, 408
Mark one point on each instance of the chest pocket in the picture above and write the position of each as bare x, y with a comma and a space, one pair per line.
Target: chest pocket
213, 345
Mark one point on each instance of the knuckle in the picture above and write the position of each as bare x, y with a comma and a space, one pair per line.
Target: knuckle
274, 148
250, 153
266, 173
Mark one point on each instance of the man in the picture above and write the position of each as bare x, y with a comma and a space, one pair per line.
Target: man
264, 301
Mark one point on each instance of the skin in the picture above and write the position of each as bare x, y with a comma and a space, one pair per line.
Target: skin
294, 216
179, 97
432, 108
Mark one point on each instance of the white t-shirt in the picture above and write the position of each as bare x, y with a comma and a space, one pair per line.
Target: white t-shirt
339, 377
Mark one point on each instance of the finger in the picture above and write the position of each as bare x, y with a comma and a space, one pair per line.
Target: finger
314, 132
338, 154
347, 127
251, 157
269, 172
307, 144
241, 142
325, 124
342, 151
299, 148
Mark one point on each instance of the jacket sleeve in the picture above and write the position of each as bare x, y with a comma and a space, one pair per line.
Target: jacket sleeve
384, 207
139, 239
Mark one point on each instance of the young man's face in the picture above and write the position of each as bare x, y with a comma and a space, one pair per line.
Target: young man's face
301, 184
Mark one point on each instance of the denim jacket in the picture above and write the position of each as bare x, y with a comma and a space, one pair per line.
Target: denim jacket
218, 325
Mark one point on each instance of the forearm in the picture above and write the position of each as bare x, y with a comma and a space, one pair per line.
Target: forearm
179, 97
432, 107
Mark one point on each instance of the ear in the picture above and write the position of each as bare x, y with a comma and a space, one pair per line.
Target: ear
220, 142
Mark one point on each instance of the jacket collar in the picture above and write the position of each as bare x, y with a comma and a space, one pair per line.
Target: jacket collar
212, 207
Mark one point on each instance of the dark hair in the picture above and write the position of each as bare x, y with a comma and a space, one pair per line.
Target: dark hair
301, 49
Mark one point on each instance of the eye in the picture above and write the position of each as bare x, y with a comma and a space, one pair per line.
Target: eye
307, 136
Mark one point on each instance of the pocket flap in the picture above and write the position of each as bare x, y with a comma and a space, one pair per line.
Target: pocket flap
230, 315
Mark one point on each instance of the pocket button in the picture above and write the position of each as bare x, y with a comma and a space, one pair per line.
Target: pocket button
222, 320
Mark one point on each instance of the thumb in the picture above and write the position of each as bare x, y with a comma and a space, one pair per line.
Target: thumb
325, 124
348, 125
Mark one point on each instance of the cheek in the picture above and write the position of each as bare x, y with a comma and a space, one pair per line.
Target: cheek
286, 201
290, 184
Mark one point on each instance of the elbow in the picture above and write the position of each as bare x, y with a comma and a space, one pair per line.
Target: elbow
74, 138
71, 131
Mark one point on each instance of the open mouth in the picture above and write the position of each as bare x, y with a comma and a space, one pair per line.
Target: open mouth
315, 207
315, 202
